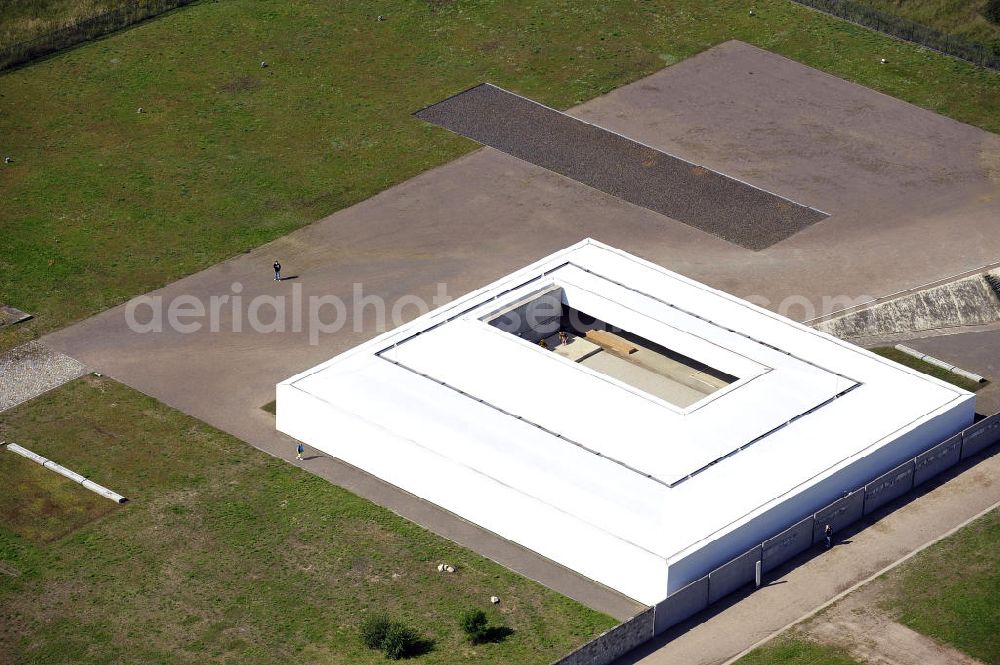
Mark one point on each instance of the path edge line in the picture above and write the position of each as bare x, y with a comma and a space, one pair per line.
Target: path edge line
857, 585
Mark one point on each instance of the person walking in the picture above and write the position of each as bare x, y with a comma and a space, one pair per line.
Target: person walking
277, 271
299, 449
828, 534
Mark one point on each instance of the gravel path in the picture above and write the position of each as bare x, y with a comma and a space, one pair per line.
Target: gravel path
32, 369
611, 163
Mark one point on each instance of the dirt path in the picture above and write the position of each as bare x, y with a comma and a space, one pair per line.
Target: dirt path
857, 624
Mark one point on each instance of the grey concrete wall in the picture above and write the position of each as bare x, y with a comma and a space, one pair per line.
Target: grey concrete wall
980, 436
731, 576
888, 486
939, 458
792, 541
533, 318
680, 605
966, 302
840, 513
615, 643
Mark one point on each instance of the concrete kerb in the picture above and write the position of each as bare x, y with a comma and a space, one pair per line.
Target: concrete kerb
954, 369
63, 471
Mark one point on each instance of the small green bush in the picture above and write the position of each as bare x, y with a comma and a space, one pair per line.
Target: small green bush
374, 629
394, 639
474, 625
399, 641
992, 11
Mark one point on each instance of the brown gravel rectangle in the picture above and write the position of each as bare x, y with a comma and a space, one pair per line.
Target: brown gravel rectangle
699, 197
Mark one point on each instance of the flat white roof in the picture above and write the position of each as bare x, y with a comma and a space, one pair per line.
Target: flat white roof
659, 477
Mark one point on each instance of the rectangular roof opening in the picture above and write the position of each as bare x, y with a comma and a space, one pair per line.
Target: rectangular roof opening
544, 319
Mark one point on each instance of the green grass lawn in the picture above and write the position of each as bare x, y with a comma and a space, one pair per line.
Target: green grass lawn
103, 203
906, 359
794, 650
963, 18
951, 591
41, 505
224, 553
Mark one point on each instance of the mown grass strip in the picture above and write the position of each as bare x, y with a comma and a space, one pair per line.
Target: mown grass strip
225, 553
951, 591
905, 359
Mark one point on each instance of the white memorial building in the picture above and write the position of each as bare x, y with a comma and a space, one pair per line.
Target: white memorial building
631, 424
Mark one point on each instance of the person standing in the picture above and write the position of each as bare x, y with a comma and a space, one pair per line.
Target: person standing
299, 449
277, 271
828, 534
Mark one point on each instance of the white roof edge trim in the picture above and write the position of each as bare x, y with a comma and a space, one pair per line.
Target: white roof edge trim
382, 338
540, 266
806, 483
396, 434
773, 315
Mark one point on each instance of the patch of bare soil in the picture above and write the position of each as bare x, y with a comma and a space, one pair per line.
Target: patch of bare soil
858, 625
242, 83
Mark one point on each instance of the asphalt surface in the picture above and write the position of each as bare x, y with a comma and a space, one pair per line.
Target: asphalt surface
977, 352
609, 162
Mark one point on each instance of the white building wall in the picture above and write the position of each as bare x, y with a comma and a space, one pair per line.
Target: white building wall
698, 560
474, 496
430, 416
